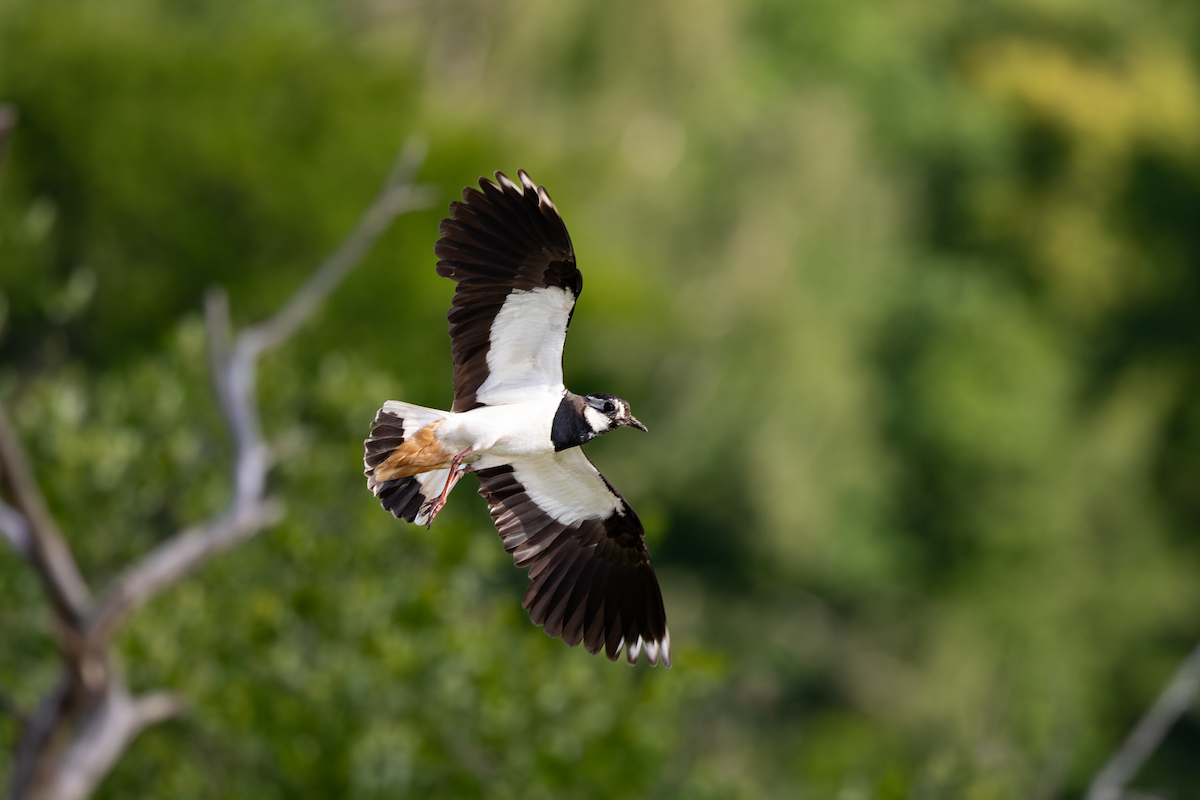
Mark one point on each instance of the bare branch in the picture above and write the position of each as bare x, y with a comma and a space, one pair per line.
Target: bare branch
82, 727
398, 196
155, 707
15, 528
175, 558
234, 373
234, 366
110, 727
41, 740
48, 550
1146, 736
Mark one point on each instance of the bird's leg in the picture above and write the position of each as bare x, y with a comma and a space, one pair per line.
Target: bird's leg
432, 507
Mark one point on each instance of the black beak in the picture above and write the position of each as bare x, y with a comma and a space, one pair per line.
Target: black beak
633, 423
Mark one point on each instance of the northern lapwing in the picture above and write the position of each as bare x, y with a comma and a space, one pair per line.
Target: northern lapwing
516, 426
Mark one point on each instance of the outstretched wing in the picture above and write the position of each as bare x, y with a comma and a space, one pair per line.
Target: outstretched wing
509, 252
592, 580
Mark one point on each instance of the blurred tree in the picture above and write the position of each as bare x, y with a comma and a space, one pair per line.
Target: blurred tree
903, 291
82, 725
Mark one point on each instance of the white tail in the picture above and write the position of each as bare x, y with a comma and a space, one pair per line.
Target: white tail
414, 417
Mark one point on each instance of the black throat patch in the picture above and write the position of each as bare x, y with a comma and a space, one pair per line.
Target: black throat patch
570, 428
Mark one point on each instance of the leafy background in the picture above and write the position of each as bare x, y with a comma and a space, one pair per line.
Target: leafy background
905, 293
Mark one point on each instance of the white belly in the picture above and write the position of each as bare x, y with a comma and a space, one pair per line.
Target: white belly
499, 434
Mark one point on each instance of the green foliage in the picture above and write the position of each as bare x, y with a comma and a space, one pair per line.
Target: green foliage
905, 293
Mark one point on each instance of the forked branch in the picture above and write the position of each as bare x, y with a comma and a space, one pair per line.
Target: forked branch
1147, 735
80, 729
32, 525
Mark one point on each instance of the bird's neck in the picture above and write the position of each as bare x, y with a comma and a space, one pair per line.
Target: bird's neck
571, 427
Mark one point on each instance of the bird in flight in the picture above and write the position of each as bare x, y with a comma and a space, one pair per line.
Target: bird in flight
515, 425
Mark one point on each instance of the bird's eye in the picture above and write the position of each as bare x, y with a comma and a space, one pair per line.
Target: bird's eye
609, 407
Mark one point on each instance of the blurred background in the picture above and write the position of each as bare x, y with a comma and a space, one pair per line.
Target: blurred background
906, 293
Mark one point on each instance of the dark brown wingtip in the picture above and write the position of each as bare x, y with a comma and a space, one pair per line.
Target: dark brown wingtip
506, 183
527, 188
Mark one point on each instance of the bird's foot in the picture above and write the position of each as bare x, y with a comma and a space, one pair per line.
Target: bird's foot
432, 507
429, 510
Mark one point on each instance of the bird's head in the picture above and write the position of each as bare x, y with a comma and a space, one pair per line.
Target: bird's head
604, 412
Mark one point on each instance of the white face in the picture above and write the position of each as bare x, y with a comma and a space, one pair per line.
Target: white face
597, 421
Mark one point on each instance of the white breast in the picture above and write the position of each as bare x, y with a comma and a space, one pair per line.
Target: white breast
499, 434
